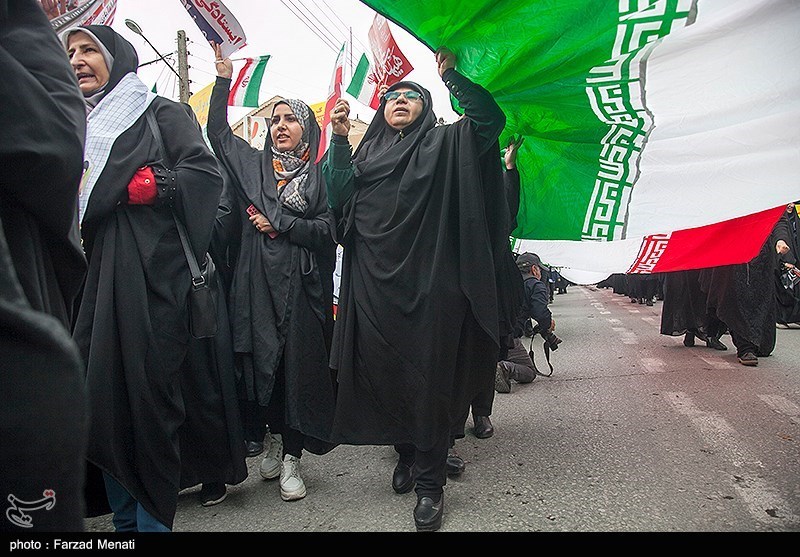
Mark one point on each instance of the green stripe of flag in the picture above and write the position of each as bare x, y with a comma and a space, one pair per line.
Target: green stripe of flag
359, 77
254, 86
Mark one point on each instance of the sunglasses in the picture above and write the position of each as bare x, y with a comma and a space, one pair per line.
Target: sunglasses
410, 95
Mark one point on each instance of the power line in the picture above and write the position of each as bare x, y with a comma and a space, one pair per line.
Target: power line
349, 28
313, 28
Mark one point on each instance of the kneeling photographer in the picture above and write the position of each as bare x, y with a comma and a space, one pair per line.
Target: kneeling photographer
518, 365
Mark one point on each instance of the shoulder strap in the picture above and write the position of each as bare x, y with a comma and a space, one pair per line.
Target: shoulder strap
151, 121
198, 280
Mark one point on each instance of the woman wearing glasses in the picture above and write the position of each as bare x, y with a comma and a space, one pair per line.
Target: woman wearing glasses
422, 218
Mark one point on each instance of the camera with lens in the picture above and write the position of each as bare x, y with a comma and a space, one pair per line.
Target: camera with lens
550, 338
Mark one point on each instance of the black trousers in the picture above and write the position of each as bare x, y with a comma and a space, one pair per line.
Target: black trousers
428, 467
255, 419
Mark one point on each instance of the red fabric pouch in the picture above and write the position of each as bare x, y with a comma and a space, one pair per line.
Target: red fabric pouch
142, 187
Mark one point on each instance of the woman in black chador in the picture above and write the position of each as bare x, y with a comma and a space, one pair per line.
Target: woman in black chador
279, 231
423, 220
133, 325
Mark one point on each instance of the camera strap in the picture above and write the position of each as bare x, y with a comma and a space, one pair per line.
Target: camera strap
547, 357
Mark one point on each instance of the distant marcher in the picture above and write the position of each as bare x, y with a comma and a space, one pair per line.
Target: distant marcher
685, 311
743, 297
788, 292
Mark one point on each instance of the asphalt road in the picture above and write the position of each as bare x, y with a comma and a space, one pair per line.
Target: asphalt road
633, 432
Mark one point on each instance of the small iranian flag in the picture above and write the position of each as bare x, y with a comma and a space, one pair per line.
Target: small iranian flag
248, 83
334, 93
364, 85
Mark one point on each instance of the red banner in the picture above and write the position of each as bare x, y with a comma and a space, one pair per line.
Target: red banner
390, 63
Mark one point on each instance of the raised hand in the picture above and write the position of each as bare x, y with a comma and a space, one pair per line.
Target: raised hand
445, 59
224, 65
340, 120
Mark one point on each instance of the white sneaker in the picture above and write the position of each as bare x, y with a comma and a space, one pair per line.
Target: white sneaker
292, 485
271, 465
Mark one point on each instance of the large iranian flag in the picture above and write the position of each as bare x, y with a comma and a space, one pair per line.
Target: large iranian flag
660, 135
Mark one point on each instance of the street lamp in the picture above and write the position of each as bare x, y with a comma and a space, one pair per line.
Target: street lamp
133, 26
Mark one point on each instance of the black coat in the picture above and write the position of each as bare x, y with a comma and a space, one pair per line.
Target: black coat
426, 272
132, 326
684, 306
43, 419
281, 292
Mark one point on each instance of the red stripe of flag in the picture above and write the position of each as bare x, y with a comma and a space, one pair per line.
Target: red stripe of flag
243, 72
729, 242
334, 93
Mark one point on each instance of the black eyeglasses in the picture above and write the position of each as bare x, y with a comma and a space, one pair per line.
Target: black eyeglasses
410, 95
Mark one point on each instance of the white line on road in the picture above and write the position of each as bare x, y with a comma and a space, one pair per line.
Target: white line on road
627, 336
716, 363
762, 501
615, 321
653, 365
783, 406
652, 320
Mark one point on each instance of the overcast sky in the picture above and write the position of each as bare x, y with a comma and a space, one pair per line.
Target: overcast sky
301, 63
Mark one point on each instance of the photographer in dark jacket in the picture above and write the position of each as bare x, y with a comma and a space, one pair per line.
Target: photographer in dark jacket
518, 364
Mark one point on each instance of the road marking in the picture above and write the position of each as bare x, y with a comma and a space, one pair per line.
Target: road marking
633, 310
716, 363
627, 336
761, 500
615, 321
783, 406
652, 320
653, 365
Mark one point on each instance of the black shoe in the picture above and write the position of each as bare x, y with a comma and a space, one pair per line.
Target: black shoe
213, 493
428, 514
455, 464
402, 478
748, 359
715, 344
482, 428
649, 302
688, 339
254, 448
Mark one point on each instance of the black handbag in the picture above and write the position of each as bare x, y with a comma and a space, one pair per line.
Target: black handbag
202, 295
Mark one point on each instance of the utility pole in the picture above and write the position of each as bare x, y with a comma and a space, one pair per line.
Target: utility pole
183, 67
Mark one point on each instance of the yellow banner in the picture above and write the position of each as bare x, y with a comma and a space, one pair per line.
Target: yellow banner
200, 102
319, 111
